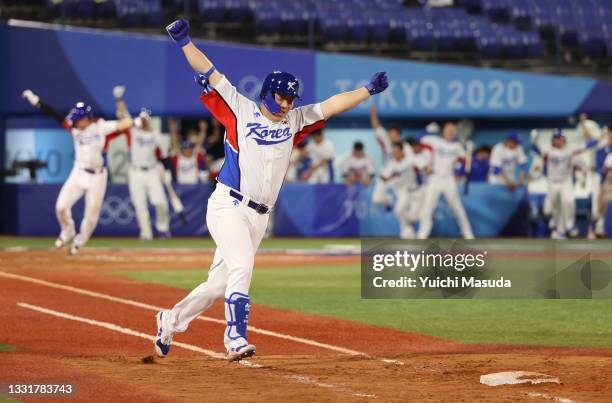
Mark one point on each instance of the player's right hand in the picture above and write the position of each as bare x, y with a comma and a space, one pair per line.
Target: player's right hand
179, 32
118, 91
32, 98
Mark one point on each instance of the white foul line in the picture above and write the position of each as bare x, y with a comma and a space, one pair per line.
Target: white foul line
111, 326
204, 318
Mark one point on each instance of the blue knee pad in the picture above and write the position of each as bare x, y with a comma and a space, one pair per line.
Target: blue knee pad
238, 306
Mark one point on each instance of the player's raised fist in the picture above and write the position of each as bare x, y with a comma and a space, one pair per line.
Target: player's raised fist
32, 98
378, 83
179, 32
118, 91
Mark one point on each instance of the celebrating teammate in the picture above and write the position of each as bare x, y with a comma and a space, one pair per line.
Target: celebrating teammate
402, 174
187, 155
145, 175
447, 152
357, 167
559, 161
89, 174
506, 157
321, 152
258, 142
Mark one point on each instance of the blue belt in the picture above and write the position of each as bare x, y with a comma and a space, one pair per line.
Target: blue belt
259, 207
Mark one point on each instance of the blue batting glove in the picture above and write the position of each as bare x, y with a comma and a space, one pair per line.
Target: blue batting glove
378, 83
179, 32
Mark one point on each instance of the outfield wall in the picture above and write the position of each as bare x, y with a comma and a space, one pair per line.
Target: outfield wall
301, 210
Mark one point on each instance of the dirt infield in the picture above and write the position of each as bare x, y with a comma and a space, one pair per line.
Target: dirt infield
77, 323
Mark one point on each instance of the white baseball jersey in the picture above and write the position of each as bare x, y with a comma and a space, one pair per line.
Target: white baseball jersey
608, 163
559, 163
321, 151
382, 138
144, 150
187, 168
445, 155
505, 159
361, 167
403, 174
90, 143
257, 150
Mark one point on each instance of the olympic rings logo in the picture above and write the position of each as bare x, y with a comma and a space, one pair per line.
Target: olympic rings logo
116, 210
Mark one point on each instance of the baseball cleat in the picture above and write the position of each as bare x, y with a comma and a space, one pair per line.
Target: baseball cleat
163, 338
59, 243
74, 249
237, 354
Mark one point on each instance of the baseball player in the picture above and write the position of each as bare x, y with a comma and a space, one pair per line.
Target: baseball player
506, 157
145, 175
446, 153
89, 174
402, 175
357, 167
385, 138
187, 156
591, 130
559, 163
258, 142
322, 153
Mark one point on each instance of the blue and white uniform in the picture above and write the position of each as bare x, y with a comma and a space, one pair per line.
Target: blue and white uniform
257, 156
446, 156
505, 160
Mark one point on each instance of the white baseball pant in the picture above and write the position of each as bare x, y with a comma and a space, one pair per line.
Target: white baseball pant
560, 204
237, 231
407, 208
79, 183
148, 184
436, 186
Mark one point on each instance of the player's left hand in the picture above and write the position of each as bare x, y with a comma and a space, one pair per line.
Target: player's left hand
378, 83
179, 32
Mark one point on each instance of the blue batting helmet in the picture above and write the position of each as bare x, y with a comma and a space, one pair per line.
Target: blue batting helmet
281, 83
79, 111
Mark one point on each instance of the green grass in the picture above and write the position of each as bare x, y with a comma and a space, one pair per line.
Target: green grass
335, 291
5, 348
7, 399
204, 242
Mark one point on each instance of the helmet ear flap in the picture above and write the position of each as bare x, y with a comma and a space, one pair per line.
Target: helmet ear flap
270, 103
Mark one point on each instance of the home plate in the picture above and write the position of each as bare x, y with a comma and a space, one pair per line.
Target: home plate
517, 377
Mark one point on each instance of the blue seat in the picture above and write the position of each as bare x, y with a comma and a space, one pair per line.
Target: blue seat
129, 13
212, 10
592, 44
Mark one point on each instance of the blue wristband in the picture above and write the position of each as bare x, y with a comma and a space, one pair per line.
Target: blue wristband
184, 41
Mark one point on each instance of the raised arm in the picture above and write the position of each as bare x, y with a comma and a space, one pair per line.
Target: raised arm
179, 32
374, 121
121, 110
348, 100
36, 102
174, 137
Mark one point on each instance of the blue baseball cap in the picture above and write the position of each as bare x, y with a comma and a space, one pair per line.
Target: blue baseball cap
514, 136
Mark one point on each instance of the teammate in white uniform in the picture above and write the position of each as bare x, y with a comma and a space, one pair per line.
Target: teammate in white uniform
447, 153
89, 174
401, 174
258, 142
187, 156
506, 158
322, 153
559, 163
357, 167
145, 176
